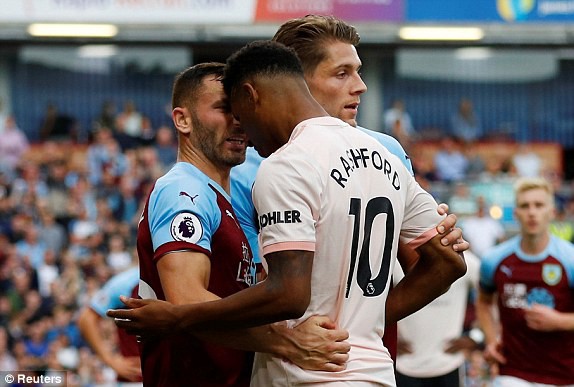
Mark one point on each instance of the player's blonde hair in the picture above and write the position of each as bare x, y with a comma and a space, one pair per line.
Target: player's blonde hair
529, 183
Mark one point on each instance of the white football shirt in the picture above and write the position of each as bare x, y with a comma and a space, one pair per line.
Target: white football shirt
338, 192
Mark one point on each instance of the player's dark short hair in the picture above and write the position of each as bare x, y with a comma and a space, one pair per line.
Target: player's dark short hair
187, 84
260, 58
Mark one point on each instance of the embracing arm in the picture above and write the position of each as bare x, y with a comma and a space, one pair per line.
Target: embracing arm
283, 295
437, 268
185, 279
315, 344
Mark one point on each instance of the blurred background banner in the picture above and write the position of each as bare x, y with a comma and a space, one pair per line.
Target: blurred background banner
253, 11
353, 10
125, 11
491, 10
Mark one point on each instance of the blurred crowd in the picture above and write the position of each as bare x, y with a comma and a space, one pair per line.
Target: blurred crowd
68, 218
69, 212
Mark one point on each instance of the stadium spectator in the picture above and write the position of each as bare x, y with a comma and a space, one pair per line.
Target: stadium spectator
526, 163
133, 128
398, 123
462, 202
165, 147
562, 226
31, 249
29, 187
449, 162
118, 257
7, 360
482, 231
465, 124
106, 118
13, 145
47, 273
104, 155
57, 126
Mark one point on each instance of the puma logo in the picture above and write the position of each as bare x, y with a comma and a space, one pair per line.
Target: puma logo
192, 198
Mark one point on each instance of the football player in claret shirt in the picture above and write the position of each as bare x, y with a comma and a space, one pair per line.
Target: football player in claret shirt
530, 278
191, 248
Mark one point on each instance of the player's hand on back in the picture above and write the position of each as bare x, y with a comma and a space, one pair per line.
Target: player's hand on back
318, 344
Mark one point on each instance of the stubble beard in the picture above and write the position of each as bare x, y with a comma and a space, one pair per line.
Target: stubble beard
206, 143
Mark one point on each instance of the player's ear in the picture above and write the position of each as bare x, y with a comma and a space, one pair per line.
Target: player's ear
250, 93
181, 119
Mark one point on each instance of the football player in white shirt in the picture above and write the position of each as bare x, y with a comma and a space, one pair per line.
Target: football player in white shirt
326, 46
324, 190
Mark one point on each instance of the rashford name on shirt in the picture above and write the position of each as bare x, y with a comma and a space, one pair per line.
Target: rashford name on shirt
363, 158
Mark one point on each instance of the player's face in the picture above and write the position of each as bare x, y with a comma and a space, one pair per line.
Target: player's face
336, 83
215, 133
258, 130
534, 211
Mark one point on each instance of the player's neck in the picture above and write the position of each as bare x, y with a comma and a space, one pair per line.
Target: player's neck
297, 104
217, 173
534, 244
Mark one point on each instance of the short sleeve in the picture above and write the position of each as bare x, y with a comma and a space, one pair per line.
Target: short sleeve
185, 214
287, 195
421, 216
108, 297
487, 268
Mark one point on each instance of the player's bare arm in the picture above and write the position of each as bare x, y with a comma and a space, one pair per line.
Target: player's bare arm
451, 236
314, 345
437, 268
89, 325
283, 295
485, 314
185, 277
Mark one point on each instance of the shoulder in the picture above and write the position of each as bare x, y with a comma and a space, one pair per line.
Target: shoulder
392, 144
130, 277
249, 167
385, 139
561, 243
183, 190
184, 183
562, 250
108, 296
501, 251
